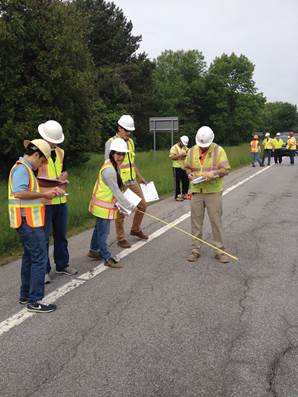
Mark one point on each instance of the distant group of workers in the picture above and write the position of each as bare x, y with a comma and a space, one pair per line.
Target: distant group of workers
272, 146
37, 200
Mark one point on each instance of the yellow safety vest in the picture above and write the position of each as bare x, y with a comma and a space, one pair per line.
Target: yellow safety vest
278, 143
215, 159
177, 149
254, 146
53, 170
34, 208
102, 203
268, 143
291, 145
127, 168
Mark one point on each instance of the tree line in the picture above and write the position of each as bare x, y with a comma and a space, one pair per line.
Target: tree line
77, 62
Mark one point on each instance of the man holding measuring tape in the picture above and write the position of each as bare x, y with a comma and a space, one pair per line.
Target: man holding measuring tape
206, 164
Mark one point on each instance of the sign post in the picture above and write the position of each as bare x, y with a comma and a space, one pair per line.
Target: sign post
163, 124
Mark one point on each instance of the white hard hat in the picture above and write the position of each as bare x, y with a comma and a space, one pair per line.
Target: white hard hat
126, 122
119, 145
267, 134
40, 144
204, 136
184, 139
51, 131
278, 134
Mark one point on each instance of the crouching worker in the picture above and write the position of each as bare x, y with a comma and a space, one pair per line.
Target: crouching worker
106, 192
27, 216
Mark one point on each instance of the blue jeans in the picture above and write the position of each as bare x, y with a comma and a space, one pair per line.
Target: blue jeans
292, 156
56, 218
255, 157
100, 236
34, 261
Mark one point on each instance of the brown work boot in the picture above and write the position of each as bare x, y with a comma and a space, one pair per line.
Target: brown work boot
221, 257
193, 257
139, 234
94, 254
112, 262
124, 244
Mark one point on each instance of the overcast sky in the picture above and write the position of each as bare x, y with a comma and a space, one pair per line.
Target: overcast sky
266, 31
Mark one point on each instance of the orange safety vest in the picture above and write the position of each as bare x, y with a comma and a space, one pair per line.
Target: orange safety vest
34, 208
254, 146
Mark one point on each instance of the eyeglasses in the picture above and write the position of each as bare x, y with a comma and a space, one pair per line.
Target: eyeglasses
120, 153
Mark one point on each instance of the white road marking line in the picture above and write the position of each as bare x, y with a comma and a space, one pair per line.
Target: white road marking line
22, 315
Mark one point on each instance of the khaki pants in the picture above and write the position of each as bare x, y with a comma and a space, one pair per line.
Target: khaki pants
213, 203
138, 216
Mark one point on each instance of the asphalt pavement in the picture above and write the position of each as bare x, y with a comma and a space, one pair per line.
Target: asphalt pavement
164, 327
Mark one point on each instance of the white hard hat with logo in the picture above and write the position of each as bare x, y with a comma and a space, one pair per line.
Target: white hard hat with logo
119, 145
184, 139
39, 144
51, 131
267, 134
204, 136
126, 122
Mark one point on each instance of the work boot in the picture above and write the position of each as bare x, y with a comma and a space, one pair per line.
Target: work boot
221, 257
139, 234
112, 262
194, 256
94, 254
124, 244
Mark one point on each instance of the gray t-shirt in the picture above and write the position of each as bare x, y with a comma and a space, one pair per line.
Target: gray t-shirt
109, 177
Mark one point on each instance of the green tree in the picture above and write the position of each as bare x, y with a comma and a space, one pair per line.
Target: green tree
280, 116
46, 72
233, 107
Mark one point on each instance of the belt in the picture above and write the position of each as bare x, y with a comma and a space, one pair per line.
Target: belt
131, 182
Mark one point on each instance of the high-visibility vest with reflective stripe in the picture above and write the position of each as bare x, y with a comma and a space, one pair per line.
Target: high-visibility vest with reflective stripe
102, 203
210, 163
127, 168
254, 146
34, 209
291, 145
53, 170
278, 143
268, 143
177, 149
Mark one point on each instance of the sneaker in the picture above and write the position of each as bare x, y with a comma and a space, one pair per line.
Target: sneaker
112, 262
69, 271
47, 279
124, 244
179, 198
193, 257
41, 307
139, 234
94, 254
23, 301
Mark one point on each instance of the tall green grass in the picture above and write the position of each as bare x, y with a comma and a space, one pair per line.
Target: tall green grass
154, 167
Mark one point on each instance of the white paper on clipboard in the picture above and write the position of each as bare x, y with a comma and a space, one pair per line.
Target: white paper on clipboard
149, 192
197, 180
133, 198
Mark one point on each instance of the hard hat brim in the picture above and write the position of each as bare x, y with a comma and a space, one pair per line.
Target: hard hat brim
27, 142
43, 134
204, 144
127, 129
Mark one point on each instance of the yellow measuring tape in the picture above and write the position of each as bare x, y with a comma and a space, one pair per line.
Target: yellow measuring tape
190, 235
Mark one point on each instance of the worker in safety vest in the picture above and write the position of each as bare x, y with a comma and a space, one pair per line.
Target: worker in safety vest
208, 161
178, 154
267, 148
27, 217
277, 145
106, 193
131, 178
291, 147
255, 150
56, 209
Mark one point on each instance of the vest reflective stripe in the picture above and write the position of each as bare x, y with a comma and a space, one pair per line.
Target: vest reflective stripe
53, 170
291, 145
127, 168
34, 209
254, 145
278, 143
102, 203
211, 163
